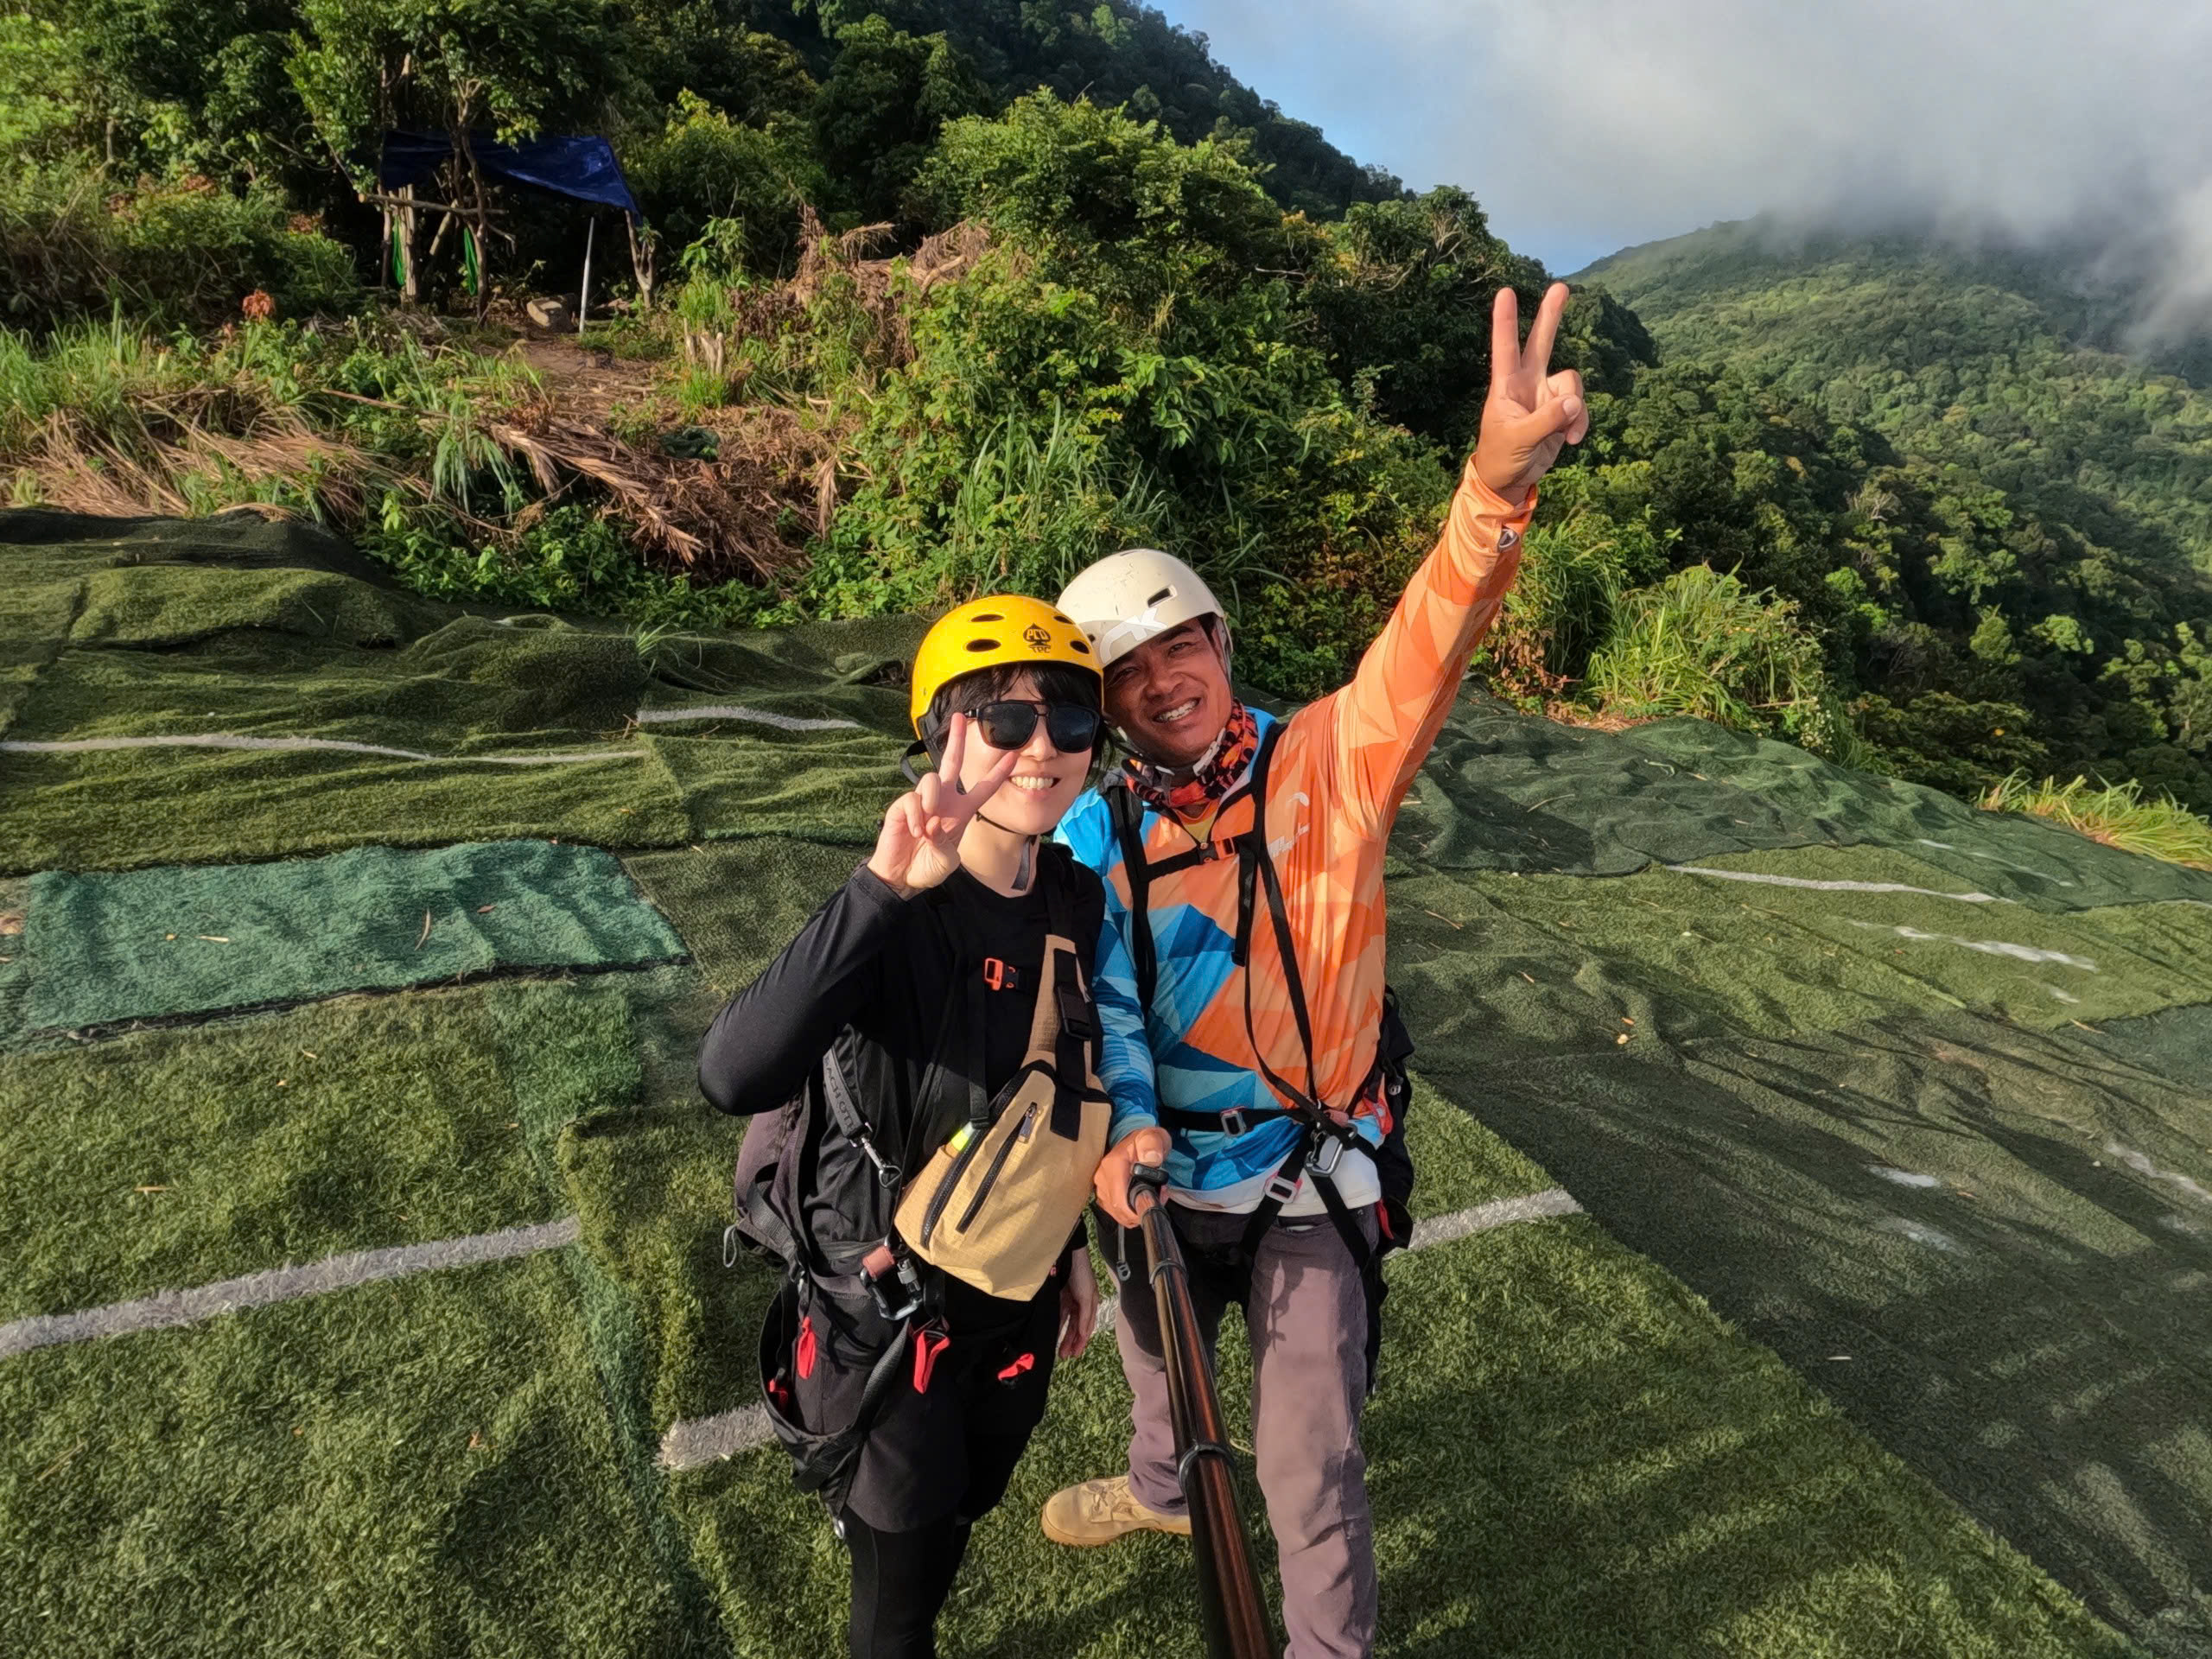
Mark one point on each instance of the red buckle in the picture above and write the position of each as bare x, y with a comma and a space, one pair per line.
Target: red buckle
928, 1345
802, 1353
998, 976
1026, 1363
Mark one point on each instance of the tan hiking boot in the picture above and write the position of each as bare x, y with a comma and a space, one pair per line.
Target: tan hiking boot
1099, 1511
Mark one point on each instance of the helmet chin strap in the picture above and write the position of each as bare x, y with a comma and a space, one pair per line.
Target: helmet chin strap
1027, 871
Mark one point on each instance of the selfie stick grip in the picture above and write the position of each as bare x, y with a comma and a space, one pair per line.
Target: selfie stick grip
1228, 1589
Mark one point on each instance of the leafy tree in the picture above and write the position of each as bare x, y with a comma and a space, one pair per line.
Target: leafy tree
879, 111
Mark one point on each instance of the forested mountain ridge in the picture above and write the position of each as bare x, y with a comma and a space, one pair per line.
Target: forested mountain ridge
959, 294
2028, 513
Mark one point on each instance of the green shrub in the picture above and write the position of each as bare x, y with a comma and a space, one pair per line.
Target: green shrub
1575, 566
572, 559
705, 167
72, 245
2118, 814
1702, 643
1961, 745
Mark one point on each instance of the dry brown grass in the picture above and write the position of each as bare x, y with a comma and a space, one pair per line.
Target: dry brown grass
712, 518
175, 461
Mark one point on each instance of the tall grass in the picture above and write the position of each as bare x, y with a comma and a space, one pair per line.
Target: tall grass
2118, 814
1702, 643
120, 417
1036, 506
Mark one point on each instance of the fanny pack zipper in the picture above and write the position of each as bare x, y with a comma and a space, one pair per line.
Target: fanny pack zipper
998, 1163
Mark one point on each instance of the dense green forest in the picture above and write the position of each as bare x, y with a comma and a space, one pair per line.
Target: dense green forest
2013, 521
936, 294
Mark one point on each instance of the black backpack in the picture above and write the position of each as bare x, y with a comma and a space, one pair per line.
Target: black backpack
781, 1151
1316, 1150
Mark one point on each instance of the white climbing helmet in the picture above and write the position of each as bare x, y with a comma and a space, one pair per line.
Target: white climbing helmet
1127, 598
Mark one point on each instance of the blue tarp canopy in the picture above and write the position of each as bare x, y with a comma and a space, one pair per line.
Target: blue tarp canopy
576, 165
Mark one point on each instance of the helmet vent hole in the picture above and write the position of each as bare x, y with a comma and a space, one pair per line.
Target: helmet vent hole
1067, 621
1164, 594
981, 645
1078, 645
987, 616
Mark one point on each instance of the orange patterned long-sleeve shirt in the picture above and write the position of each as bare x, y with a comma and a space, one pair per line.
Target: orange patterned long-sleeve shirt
1338, 775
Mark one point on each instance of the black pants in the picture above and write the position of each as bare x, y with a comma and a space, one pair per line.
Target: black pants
937, 1461
900, 1581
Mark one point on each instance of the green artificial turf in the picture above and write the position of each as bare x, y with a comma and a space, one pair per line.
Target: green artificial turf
1569, 1456
738, 903
105, 948
422, 1467
1553, 961
176, 1158
1506, 792
1989, 1245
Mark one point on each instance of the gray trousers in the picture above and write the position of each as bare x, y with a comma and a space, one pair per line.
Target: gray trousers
1307, 1321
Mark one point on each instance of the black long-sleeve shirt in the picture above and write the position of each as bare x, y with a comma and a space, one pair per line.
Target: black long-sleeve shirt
885, 980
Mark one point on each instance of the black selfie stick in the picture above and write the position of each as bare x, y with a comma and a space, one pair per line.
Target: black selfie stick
1228, 1590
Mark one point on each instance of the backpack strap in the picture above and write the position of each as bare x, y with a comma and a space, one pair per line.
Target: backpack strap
1127, 813
1075, 1043
1323, 1140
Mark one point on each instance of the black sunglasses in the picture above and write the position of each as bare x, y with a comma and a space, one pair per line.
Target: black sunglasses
1010, 724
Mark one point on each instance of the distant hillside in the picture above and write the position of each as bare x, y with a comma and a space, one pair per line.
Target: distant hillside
1114, 52
2014, 511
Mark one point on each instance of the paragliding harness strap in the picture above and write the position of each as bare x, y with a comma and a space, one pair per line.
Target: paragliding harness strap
824, 1462
1322, 1142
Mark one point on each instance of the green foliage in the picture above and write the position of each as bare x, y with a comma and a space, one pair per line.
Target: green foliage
1109, 204
2028, 517
1188, 410
881, 107
570, 560
363, 66
72, 245
704, 170
1119, 53
1400, 294
1700, 643
1576, 564
1941, 739
2118, 814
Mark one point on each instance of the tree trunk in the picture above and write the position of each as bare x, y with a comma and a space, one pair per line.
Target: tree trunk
411, 274
642, 248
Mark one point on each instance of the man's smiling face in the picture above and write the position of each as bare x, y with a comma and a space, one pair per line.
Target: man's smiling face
1170, 697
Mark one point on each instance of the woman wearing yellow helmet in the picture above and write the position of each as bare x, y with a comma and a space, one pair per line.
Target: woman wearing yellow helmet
922, 1062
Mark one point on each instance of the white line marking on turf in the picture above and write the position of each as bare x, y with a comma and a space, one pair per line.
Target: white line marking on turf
759, 716
694, 1442
176, 1307
2142, 1166
1991, 947
232, 740
1835, 887
1499, 1212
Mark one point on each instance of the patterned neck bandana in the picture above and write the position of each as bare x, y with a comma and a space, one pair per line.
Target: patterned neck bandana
1188, 794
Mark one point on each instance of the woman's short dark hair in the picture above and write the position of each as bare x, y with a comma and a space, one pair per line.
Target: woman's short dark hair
1055, 682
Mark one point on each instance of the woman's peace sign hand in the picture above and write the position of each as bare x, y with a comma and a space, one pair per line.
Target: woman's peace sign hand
1530, 412
919, 844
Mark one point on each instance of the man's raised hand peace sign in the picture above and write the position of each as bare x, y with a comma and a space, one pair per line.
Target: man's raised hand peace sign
919, 844
1530, 412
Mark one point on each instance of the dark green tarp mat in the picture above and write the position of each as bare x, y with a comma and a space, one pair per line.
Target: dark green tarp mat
1879, 1074
102, 949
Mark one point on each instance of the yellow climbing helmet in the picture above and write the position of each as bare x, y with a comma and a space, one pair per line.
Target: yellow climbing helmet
1009, 629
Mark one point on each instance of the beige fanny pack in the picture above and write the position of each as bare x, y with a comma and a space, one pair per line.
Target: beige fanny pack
995, 1206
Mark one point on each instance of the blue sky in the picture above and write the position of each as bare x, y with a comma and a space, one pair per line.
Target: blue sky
1586, 125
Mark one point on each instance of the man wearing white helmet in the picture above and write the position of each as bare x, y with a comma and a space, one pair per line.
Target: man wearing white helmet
1240, 981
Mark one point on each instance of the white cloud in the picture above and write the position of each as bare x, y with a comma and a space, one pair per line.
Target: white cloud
1617, 121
